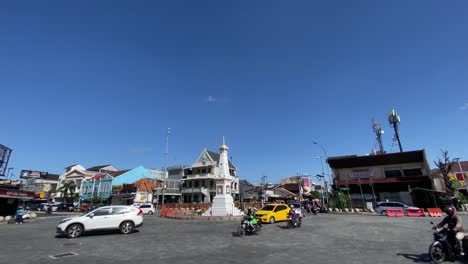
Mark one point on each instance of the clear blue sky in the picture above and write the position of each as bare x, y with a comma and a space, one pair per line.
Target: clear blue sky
99, 82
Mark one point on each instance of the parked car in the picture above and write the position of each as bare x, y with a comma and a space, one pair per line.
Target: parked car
147, 208
123, 218
271, 213
381, 207
63, 207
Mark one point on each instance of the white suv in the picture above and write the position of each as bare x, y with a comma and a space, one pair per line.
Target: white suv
123, 218
147, 208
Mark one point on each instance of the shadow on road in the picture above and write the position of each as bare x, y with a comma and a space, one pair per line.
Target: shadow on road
99, 233
417, 258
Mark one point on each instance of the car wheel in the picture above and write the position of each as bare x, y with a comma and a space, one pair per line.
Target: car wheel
151, 212
126, 227
74, 231
272, 220
384, 213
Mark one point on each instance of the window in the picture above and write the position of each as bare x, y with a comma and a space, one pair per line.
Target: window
389, 173
209, 170
145, 206
119, 210
211, 184
203, 170
412, 172
190, 184
100, 212
280, 208
197, 184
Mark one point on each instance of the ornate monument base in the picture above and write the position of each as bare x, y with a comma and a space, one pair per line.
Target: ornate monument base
223, 206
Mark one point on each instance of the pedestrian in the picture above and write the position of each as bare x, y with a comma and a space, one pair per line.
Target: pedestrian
19, 215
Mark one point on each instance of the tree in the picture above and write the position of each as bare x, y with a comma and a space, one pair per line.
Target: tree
445, 164
67, 188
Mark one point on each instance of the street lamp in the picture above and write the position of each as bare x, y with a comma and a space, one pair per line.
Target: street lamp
8, 173
325, 155
321, 189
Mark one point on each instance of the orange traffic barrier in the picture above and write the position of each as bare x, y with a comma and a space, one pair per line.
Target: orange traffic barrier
434, 212
163, 211
415, 212
395, 212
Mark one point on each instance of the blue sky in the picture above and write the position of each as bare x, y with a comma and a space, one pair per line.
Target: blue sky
99, 82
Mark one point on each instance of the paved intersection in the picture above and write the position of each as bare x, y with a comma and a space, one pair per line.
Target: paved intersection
325, 238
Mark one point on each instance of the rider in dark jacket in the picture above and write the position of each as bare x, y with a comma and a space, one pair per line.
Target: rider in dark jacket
455, 225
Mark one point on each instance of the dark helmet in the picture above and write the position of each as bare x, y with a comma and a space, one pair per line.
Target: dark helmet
450, 210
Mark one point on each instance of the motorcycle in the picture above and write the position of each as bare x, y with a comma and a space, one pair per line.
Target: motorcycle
442, 248
294, 222
244, 228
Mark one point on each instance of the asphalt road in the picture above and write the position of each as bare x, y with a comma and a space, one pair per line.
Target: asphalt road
325, 238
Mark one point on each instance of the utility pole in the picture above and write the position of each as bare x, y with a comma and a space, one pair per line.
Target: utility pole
394, 121
264, 177
165, 166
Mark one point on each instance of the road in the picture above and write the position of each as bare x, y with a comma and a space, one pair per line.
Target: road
325, 238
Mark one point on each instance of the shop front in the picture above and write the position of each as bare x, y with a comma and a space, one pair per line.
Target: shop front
11, 198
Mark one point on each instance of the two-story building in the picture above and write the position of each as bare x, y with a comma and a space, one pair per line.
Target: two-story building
78, 174
199, 180
381, 177
99, 186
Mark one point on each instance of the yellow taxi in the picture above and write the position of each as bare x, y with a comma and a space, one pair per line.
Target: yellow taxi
271, 213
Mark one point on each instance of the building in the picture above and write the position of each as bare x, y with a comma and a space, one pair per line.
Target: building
134, 186
43, 186
97, 187
199, 180
389, 176
459, 175
78, 174
11, 196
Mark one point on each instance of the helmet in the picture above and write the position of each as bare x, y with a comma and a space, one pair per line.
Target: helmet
292, 206
450, 210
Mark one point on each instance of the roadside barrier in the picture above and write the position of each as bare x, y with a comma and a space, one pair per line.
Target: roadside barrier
415, 212
395, 212
434, 212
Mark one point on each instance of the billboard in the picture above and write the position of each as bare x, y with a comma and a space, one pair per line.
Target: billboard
27, 174
4, 158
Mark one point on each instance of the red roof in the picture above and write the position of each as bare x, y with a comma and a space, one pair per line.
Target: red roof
117, 173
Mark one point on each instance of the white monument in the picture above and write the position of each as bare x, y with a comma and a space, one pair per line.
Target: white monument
223, 203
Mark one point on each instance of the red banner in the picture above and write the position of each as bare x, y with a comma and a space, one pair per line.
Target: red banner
15, 194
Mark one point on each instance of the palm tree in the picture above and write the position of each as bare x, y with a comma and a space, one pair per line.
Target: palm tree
67, 188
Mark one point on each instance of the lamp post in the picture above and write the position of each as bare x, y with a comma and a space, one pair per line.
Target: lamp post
321, 189
165, 166
9, 173
326, 157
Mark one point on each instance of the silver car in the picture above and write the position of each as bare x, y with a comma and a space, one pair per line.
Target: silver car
381, 207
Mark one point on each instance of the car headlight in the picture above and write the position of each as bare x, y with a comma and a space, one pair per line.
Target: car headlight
64, 220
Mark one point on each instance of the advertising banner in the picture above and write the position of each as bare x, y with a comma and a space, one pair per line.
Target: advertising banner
27, 174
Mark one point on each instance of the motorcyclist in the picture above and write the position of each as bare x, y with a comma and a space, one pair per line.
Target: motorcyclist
292, 213
250, 217
454, 223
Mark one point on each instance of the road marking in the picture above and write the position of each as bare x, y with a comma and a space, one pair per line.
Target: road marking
61, 255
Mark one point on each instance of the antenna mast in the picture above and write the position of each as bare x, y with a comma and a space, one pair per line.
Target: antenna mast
394, 121
378, 132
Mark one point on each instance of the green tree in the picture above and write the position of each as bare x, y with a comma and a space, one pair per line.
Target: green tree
68, 189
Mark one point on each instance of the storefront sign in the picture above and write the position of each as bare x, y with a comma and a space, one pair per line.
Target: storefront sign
362, 174
16, 194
